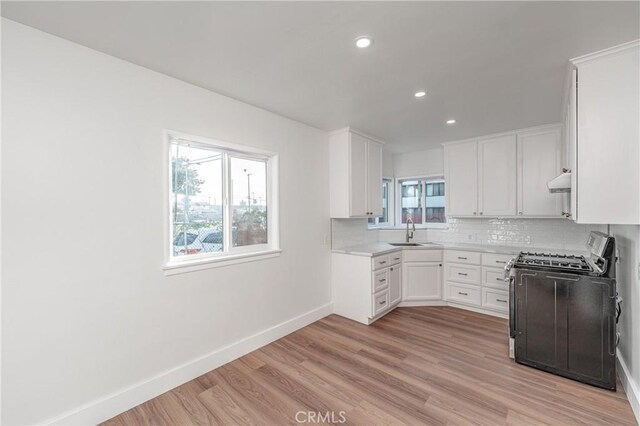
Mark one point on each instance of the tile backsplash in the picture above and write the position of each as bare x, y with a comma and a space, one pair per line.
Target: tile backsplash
351, 232
536, 233
560, 234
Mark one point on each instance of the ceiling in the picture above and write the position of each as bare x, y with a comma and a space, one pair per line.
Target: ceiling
493, 66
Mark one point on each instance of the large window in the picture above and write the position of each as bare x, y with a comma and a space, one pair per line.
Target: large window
422, 200
219, 200
385, 219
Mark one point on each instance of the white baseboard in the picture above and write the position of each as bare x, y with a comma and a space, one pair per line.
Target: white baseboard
479, 310
111, 405
413, 303
630, 386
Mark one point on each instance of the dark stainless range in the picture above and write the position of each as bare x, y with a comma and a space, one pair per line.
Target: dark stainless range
563, 311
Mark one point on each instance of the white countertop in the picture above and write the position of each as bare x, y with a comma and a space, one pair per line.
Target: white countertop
379, 247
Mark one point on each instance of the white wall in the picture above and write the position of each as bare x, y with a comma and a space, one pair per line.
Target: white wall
387, 164
429, 162
87, 310
628, 281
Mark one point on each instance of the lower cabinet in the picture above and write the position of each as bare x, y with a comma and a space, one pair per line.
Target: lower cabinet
365, 288
477, 280
395, 284
422, 281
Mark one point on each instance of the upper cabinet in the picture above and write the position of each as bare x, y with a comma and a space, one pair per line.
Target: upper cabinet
355, 175
461, 176
539, 161
497, 176
504, 175
604, 139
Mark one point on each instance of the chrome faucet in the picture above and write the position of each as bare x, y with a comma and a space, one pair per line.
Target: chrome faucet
413, 225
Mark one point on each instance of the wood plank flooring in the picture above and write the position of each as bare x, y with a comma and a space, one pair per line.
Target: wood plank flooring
427, 365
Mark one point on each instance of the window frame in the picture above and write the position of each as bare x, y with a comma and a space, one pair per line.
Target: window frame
425, 179
180, 264
391, 189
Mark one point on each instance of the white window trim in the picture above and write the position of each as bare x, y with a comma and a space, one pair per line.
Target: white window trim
390, 209
173, 265
398, 207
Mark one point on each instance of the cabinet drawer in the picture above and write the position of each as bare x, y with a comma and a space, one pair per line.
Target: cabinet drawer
457, 256
380, 280
422, 255
496, 260
467, 274
468, 294
494, 277
495, 299
395, 258
380, 262
380, 302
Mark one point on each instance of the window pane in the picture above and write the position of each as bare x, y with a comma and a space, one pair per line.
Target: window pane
196, 200
434, 212
411, 201
249, 202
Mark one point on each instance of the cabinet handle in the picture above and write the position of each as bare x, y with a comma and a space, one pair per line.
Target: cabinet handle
463, 274
391, 269
464, 294
383, 302
501, 300
499, 279
382, 280
480, 213
520, 213
474, 212
501, 261
383, 262
462, 258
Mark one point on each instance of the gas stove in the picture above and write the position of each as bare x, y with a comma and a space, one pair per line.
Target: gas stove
557, 262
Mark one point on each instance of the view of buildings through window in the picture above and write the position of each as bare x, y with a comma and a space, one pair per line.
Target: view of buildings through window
201, 178
422, 201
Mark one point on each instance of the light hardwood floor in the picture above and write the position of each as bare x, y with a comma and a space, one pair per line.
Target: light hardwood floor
433, 365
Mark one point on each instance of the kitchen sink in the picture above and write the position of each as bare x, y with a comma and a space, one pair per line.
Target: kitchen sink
405, 244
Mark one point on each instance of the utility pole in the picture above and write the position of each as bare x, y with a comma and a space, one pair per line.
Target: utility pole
248, 191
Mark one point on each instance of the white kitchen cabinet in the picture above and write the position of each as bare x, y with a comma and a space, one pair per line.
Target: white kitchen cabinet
422, 281
605, 173
461, 178
504, 175
374, 178
365, 288
355, 163
497, 176
395, 284
539, 161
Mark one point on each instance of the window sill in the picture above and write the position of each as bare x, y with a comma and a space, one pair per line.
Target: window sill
185, 266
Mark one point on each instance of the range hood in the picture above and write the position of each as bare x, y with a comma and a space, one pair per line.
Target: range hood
561, 183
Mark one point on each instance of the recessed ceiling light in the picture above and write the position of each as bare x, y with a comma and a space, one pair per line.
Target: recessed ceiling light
420, 94
363, 42
452, 121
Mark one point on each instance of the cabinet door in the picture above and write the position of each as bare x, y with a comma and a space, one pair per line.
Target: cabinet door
358, 176
497, 176
538, 163
374, 178
572, 146
395, 285
422, 281
461, 175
